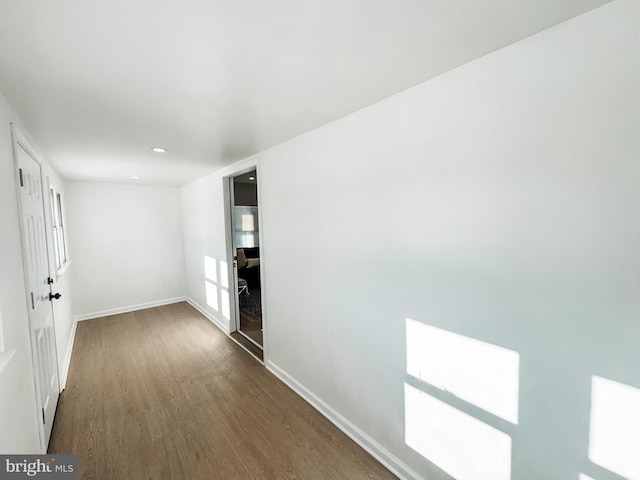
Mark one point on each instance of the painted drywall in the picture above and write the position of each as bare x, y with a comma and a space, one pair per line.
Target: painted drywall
498, 202
126, 246
18, 412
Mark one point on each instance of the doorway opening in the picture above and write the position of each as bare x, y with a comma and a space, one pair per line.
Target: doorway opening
246, 251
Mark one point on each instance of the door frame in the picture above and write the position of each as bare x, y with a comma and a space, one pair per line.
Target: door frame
20, 141
231, 173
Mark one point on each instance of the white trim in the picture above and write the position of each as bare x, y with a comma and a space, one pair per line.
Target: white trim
228, 174
263, 260
214, 319
248, 339
253, 355
63, 269
130, 308
240, 167
386, 458
67, 359
22, 140
230, 242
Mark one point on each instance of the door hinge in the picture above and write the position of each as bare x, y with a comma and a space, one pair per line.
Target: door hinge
44, 422
49, 280
33, 303
21, 178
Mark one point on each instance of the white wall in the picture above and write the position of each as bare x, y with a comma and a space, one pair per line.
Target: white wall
498, 201
126, 246
18, 412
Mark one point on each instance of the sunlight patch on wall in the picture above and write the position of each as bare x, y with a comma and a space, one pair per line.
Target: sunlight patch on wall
212, 295
210, 269
478, 372
614, 434
584, 477
462, 446
224, 294
224, 274
211, 289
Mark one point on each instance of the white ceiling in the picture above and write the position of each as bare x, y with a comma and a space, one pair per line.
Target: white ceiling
98, 83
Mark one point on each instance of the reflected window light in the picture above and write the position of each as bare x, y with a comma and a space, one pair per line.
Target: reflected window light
224, 274
584, 477
224, 294
249, 240
248, 223
212, 295
246, 226
462, 446
478, 372
614, 433
210, 269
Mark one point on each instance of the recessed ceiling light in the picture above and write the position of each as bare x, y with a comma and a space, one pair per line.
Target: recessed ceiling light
135, 177
252, 178
158, 149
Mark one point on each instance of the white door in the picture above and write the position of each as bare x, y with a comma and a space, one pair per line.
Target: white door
36, 264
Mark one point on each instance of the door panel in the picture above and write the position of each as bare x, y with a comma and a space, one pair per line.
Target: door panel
38, 289
59, 263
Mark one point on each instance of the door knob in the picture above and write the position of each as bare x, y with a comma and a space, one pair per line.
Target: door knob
56, 296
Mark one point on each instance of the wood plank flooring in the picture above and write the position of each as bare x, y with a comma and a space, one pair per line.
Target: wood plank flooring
163, 394
251, 329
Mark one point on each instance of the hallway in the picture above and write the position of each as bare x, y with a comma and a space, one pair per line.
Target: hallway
162, 393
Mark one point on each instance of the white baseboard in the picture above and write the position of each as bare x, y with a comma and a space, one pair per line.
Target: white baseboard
221, 324
67, 357
386, 458
130, 308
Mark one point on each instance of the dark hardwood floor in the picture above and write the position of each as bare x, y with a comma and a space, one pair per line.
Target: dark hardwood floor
250, 307
163, 394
